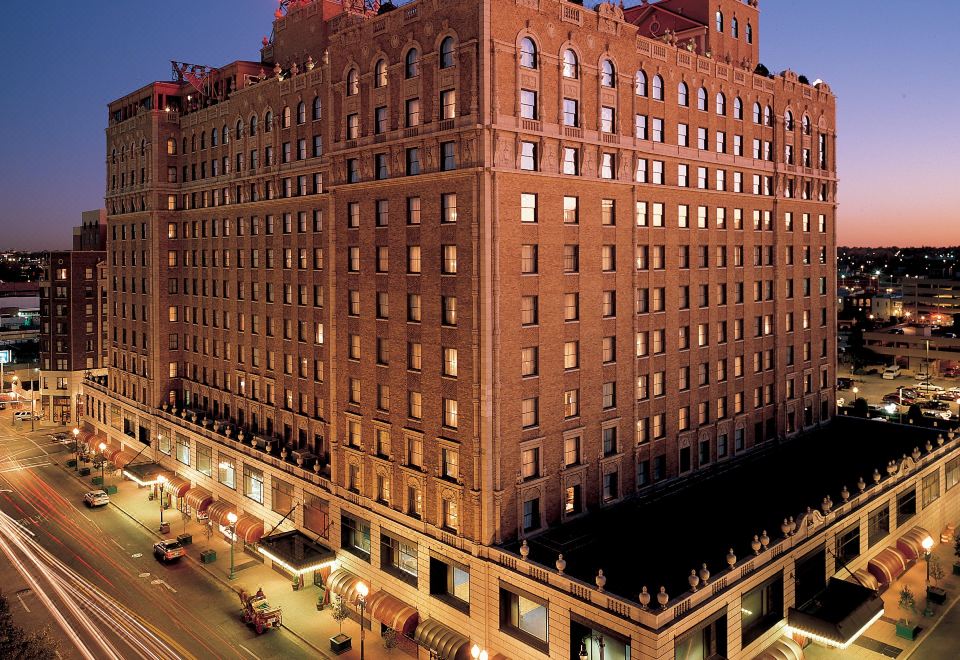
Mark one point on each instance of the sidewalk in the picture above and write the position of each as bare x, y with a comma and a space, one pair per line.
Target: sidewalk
300, 615
880, 640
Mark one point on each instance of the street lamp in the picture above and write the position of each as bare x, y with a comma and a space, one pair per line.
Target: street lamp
232, 519
590, 638
362, 591
477, 653
103, 447
927, 544
76, 447
33, 403
160, 481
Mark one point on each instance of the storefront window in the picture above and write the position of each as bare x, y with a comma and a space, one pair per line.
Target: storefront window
253, 483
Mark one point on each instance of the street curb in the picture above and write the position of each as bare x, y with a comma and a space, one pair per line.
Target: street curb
189, 557
929, 631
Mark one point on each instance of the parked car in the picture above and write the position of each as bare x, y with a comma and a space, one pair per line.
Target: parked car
949, 397
937, 414
894, 397
25, 415
865, 371
3, 405
897, 331
929, 388
922, 375
891, 372
951, 372
934, 405
844, 383
96, 498
168, 550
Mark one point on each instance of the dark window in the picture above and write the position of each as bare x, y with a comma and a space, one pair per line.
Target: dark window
761, 609
906, 505
709, 640
450, 582
399, 558
878, 525
848, 545
525, 616
355, 536
810, 575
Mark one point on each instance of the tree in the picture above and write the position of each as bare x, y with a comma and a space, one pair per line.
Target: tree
914, 414
15, 642
936, 570
907, 603
339, 612
390, 640
860, 407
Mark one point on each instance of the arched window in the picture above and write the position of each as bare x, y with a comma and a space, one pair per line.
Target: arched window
239, 132
203, 140
657, 88
143, 147
446, 53
528, 53
768, 116
788, 120
379, 76
757, 113
268, 122
571, 68
225, 134
805, 123
113, 155
721, 104
412, 63
285, 122
608, 75
702, 99
640, 87
317, 108
749, 33
719, 21
184, 145
193, 142
353, 82
301, 113
735, 28
683, 94
737, 108
214, 137
253, 125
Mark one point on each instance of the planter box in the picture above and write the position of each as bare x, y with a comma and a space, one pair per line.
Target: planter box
185, 539
907, 631
72, 463
97, 481
208, 556
936, 595
956, 569
84, 471
110, 490
340, 643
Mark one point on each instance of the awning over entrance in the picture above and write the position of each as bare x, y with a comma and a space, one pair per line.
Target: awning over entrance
343, 583
217, 512
910, 544
782, 649
838, 615
93, 441
887, 566
122, 458
177, 485
145, 474
249, 528
863, 577
444, 641
296, 552
199, 499
393, 612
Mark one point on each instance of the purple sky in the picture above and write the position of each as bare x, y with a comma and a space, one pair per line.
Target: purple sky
895, 79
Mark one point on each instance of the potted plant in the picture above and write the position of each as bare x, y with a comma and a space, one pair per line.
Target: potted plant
935, 594
339, 642
390, 640
956, 553
907, 603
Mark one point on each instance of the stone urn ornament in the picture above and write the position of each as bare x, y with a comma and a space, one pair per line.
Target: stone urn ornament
283, 453
524, 550
561, 563
299, 461
861, 484
764, 539
310, 63
663, 598
704, 573
693, 580
731, 559
845, 494
228, 431
240, 435
755, 544
644, 599
316, 466
601, 580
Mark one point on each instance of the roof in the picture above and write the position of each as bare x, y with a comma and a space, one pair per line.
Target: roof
659, 538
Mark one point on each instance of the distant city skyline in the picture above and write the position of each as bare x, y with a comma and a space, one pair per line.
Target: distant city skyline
897, 162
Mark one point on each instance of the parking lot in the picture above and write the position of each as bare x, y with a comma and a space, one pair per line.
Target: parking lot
874, 387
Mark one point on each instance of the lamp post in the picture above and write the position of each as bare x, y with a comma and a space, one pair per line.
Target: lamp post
160, 481
583, 645
76, 446
103, 447
927, 544
232, 519
362, 591
33, 403
478, 653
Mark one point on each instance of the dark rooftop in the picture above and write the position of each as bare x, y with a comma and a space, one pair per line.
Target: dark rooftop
659, 538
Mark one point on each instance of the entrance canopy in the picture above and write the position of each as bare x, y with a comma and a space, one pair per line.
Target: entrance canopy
296, 552
442, 640
393, 612
199, 499
838, 615
145, 474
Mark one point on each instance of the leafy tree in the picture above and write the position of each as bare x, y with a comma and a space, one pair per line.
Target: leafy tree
339, 612
860, 408
914, 414
907, 603
390, 640
15, 642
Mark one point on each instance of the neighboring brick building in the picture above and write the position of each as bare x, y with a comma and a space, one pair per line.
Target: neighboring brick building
485, 266
71, 319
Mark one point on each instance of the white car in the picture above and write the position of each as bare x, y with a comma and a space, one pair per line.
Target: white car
25, 415
96, 498
929, 388
922, 375
891, 372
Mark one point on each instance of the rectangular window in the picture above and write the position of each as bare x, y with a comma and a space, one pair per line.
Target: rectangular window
450, 582
204, 460
906, 505
761, 609
524, 616
253, 483
848, 545
399, 557
930, 488
952, 474
878, 525
355, 536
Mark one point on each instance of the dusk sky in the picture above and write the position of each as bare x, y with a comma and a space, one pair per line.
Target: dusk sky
892, 67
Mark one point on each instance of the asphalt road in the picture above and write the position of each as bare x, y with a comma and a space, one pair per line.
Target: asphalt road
165, 611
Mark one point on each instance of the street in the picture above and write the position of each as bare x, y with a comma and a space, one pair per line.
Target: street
91, 574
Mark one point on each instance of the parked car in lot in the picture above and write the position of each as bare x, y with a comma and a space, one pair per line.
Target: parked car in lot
949, 397
25, 415
96, 498
951, 372
891, 372
937, 414
934, 405
922, 375
894, 397
865, 371
168, 550
929, 388
844, 383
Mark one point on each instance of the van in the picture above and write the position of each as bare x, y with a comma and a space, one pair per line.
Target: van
24, 415
891, 372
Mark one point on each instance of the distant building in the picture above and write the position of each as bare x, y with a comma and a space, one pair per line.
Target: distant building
931, 300
71, 316
886, 306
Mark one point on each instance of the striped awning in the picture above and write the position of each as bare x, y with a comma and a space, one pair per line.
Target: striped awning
910, 544
442, 640
782, 649
177, 485
110, 453
249, 528
217, 512
93, 442
199, 499
393, 612
122, 458
863, 576
343, 583
887, 566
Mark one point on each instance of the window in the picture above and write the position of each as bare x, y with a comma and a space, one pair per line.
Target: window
204, 460
848, 545
412, 113
761, 609
227, 472
448, 104
737, 108
721, 104
379, 75
353, 82
528, 207
253, 483
399, 557
608, 75
702, 99
528, 156
952, 474
355, 536
571, 161
411, 67
317, 109
607, 119
446, 53
529, 412
450, 582
878, 525
528, 53
525, 617
657, 88
906, 505
719, 21
683, 94
930, 488
448, 156
570, 65
571, 112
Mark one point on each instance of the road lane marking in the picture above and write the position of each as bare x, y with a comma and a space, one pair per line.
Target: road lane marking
20, 598
164, 583
249, 651
117, 544
144, 575
135, 555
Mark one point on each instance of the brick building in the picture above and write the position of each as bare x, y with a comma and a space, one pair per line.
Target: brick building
71, 319
354, 255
